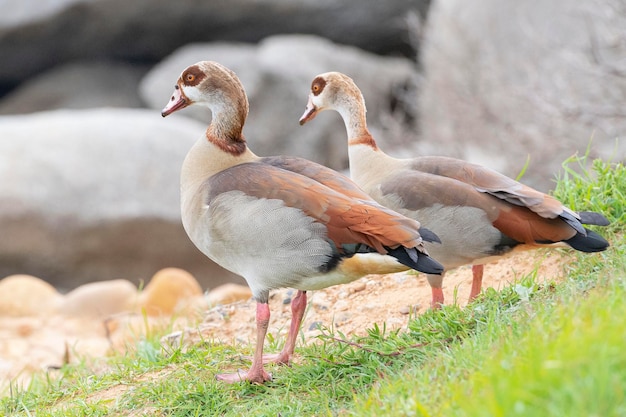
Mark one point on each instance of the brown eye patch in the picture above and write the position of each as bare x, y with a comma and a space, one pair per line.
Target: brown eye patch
318, 85
193, 76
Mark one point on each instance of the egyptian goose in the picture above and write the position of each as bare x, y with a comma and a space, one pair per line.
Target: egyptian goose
479, 214
279, 221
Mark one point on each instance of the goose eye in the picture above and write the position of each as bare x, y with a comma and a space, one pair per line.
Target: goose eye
190, 77
316, 88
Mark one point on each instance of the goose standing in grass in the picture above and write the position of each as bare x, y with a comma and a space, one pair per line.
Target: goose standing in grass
479, 214
279, 221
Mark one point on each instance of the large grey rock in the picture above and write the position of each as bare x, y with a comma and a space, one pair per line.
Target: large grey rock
77, 86
517, 78
277, 75
35, 36
94, 195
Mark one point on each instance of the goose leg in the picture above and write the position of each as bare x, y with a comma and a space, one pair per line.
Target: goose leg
477, 281
256, 373
298, 305
435, 282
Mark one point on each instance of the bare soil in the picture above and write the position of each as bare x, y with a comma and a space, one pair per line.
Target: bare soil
353, 308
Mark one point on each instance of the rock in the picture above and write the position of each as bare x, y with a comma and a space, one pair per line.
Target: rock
277, 76
100, 300
341, 305
94, 195
168, 291
36, 38
229, 293
77, 86
342, 318
26, 295
358, 286
319, 301
560, 86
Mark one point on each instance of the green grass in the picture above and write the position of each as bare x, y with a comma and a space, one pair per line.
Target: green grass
527, 350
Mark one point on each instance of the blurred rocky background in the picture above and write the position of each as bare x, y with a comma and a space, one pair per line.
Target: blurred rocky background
89, 170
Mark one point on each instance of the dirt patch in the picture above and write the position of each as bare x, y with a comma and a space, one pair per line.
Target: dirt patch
355, 307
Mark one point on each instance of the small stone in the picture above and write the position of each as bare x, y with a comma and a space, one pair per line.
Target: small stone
342, 318
341, 305
409, 309
359, 286
342, 294
320, 301
315, 325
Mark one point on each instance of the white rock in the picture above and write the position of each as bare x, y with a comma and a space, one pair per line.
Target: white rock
545, 98
94, 195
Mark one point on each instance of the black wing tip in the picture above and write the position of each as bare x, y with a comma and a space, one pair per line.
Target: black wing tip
594, 218
591, 242
428, 235
417, 260
428, 265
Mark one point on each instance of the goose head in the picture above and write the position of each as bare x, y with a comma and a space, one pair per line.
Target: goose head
209, 84
334, 91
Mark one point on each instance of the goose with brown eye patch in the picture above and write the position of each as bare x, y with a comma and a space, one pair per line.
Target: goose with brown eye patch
479, 214
280, 221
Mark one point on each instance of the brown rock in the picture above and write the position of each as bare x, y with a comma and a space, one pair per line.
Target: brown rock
358, 286
26, 295
100, 299
228, 293
168, 291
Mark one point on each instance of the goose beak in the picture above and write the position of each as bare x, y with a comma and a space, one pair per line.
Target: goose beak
177, 102
309, 113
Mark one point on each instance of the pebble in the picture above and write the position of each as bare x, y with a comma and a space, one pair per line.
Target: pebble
409, 309
319, 300
342, 318
367, 307
341, 305
315, 325
359, 286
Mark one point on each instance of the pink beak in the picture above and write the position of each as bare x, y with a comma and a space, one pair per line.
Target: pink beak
177, 102
309, 113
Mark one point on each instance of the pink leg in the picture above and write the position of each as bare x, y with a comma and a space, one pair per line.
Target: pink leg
435, 282
256, 373
437, 300
298, 305
477, 281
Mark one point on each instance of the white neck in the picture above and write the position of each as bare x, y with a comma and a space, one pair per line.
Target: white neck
205, 159
353, 116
